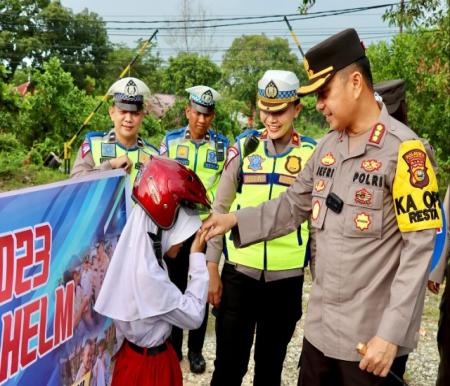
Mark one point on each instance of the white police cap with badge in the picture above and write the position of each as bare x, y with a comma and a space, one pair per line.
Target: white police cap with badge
129, 94
276, 89
203, 98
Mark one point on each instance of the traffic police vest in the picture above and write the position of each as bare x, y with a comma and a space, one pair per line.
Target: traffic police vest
105, 147
265, 176
206, 158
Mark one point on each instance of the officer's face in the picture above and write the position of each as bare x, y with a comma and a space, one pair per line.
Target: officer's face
279, 124
126, 124
335, 101
199, 123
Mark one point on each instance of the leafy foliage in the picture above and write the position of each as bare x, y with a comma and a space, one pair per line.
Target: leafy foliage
37, 30
248, 58
187, 70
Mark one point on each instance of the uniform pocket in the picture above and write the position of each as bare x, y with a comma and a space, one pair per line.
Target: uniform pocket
364, 212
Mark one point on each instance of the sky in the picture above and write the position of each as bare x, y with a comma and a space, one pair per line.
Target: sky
215, 42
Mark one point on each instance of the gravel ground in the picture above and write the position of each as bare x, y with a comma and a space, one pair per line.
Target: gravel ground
421, 367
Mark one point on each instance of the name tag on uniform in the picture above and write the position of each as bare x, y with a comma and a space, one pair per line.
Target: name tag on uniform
108, 150
286, 180
255, 178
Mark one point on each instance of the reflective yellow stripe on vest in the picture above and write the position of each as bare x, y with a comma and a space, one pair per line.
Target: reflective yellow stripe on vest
103, 150
265, 177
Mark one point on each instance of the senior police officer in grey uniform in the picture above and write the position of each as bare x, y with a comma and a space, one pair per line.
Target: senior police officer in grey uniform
203, 150
372, 195
261, 286
121, 147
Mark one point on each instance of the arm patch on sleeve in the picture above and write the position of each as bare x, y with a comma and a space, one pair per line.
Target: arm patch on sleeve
231, 154
85, 148
163, 147
415, 190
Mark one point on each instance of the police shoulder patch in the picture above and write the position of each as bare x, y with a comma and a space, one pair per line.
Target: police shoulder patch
85, 148
231, 154
415, 189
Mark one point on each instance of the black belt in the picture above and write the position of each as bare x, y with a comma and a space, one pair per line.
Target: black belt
155, 350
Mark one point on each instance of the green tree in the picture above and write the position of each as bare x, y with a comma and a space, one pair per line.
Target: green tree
245, 62
37, 30
187, 70
147, 67
10, 104
56, 109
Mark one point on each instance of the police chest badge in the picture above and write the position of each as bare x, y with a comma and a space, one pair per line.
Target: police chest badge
371, 165
315, 210
363, 196
293, 164
182, 152
415, 160
328, 159
108, 150
362, 221
320, 185
255, 162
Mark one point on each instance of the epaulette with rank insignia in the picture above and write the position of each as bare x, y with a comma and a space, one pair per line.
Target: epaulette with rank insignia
377, 133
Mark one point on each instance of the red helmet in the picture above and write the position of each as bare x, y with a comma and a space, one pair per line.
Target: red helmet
162, 185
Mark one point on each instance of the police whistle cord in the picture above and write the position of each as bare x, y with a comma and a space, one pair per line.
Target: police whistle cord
67, 145
294, 36
362, 349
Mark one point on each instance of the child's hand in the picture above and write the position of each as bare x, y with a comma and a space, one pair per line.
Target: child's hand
199, 244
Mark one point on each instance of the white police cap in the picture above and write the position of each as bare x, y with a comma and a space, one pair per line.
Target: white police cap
129, 94
276, 89
203, 98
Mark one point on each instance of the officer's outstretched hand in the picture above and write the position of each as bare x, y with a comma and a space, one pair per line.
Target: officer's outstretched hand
215, 285
199, 243
122, 162
378, 357
218, 224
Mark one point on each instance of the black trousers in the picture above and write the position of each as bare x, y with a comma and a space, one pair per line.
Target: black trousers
316, 369
443, 335
272, 308
178, 274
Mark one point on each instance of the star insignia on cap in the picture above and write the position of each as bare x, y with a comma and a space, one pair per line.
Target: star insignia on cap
207, 97
131, 88
271, 90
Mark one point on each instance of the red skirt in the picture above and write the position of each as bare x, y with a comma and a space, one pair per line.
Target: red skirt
134, 369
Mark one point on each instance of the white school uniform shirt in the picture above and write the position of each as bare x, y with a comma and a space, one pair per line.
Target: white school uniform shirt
137, 292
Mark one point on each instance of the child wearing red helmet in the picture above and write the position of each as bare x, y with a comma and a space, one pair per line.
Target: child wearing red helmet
137, 292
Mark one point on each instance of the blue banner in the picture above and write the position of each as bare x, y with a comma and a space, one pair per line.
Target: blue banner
56, 241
